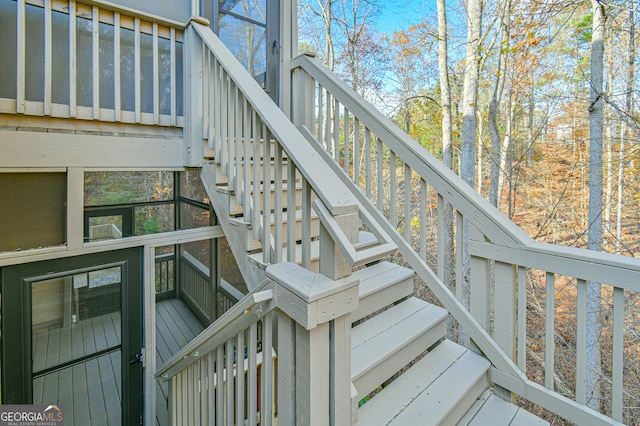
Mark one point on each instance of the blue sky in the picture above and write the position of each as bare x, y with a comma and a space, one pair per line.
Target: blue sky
400, 14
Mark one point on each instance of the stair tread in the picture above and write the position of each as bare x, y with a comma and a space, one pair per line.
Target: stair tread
381, 275
366, 238
383, 335
491, 409
424, 391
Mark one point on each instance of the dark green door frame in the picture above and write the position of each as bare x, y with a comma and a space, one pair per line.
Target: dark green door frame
16, 324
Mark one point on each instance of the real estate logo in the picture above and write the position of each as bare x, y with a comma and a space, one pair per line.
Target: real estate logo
31, 415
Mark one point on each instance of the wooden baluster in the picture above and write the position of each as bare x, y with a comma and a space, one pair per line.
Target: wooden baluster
72, 55
220, 385
522, 318
48, 53
95, 20
320, 123
617, 372
347, 142
224, 110
278, 205
156, 74
356, 151
459, 255
266, 197
306, 224
505, 307
173, 77
266, 382
380, 177
239, 140
407, 203
291, 211
117, 95
327, 123
393, 190
336, 130
137, 71
211, 391
240, 389
246, 189
367, 161
549, 357
231, 359
257, 140
581, 341
252, 371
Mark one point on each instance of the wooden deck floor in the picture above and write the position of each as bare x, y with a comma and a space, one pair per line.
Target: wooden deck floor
90, 391
175, 327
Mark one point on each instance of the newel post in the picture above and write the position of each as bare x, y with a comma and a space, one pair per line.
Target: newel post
314, 346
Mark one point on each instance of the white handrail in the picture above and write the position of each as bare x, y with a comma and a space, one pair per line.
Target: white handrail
248, 310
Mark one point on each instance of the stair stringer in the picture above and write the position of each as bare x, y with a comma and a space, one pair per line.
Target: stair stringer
236, 235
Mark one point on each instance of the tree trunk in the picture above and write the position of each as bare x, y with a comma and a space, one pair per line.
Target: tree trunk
494, 109
594, 237
470, 96
447, 270
631, 75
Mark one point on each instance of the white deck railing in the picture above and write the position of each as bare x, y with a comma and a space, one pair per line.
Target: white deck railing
70, 60
410, 188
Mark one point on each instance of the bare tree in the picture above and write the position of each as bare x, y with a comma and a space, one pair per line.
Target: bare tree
469, 126
594, 237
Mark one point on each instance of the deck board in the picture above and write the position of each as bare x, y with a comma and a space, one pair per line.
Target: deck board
175, 327
90, 392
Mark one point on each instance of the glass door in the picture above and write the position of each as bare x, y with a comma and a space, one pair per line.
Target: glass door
78, 339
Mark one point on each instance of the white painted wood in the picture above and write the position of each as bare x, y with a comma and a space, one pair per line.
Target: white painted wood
581, 342
618, 354
72, 58
384, 344
421, 161
340, 370
505, 307
75, 208
480, 291
87, 150
173, 85
21, 42
48, 51
117, 95
95, 43
621, 271
395, 397
408, 189
469, 374
522, 318
393, 189
549, 337
149, 312
552, 401
312, 375
137, 74
156, 74
381, 285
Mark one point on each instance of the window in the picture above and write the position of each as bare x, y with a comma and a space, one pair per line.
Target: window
32, 211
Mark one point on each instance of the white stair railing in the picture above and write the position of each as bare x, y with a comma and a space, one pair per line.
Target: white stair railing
232, 373
506, 264
233, 122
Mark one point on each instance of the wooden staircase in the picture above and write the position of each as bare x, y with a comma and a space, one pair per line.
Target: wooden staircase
404, 371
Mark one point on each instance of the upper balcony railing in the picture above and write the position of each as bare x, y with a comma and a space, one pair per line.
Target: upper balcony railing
59, 58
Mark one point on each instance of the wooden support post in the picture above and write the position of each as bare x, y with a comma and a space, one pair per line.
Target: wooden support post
193, 137
314, 346
332, 262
